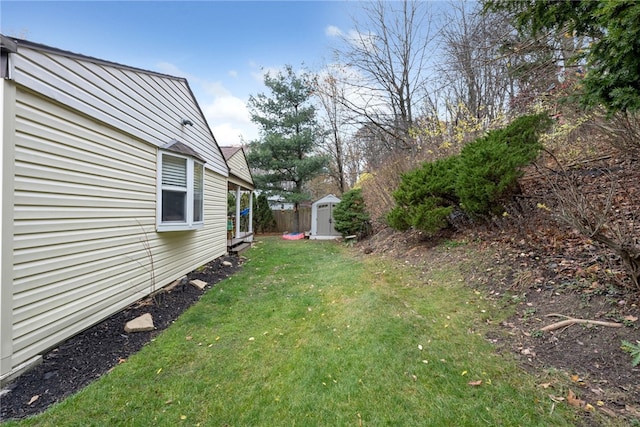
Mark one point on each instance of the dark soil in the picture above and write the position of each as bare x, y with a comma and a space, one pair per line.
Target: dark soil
80, 360
537, 283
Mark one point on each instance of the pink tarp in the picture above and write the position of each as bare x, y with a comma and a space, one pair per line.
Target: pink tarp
293, 236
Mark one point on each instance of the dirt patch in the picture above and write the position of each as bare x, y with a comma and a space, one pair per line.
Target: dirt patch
82, 359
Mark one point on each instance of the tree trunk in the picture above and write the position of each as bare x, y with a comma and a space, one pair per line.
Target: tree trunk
296, 217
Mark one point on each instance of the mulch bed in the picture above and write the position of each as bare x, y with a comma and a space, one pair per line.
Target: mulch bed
85, 357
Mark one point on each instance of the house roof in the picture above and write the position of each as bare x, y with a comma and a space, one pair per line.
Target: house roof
13, 43
111, 92
179, 147
228, 152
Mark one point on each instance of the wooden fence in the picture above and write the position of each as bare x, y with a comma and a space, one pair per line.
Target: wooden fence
284, 220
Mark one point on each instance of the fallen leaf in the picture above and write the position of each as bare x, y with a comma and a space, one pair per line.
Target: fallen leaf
168, 402
589, 407
556, 398
252, 339
574, 401
420, 347
183, 417
34, 398
630, 318
464, 373
159, 370
527, 352
545, 385
600, 403
189, 338
475, 383
121, 360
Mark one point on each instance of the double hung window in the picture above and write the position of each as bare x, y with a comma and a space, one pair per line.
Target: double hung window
180, 192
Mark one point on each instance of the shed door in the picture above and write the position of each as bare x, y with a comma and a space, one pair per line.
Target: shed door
325, 226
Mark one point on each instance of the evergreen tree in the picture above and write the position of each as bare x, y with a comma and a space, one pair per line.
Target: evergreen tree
351, 215
282, 157
263, 220
612, 77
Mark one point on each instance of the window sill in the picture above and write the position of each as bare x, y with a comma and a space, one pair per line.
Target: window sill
178, 227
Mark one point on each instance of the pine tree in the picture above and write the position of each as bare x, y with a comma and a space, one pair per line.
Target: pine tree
283, 157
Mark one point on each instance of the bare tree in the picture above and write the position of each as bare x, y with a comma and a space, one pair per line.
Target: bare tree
329, 90
475, 71
389, 51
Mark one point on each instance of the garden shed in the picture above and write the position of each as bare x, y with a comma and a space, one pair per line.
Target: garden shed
113, 186
322, 223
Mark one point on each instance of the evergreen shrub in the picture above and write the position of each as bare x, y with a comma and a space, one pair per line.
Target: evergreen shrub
489, 167
425, 197
263, 219
484, 174
350, 215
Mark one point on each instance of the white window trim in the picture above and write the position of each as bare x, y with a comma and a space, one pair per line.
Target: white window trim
189, 224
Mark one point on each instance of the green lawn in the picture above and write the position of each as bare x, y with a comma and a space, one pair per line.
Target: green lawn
309, 334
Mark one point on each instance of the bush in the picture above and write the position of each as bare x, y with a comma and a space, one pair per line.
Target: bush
490, 167
484, 174
263, 219
350, 215
425, 197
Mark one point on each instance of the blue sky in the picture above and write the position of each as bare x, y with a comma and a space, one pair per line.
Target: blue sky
221, 47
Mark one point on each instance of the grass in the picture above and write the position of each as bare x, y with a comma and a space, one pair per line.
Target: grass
307, 334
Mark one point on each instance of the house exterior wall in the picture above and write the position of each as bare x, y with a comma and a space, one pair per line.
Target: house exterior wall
83, 187
7, 113
84, 217
238, 165
146, 105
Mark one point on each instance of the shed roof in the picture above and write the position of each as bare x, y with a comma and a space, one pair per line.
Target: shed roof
329, 198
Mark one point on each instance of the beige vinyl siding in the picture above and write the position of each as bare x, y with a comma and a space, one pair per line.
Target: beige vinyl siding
238, 165
85, 195
147, 105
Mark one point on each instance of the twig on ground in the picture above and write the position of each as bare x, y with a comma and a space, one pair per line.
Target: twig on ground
571, 321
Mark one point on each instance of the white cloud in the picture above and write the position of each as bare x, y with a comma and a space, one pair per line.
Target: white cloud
230, 120
258, 75
333, 31
227, 134
171, 69
226, 113
233, 73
